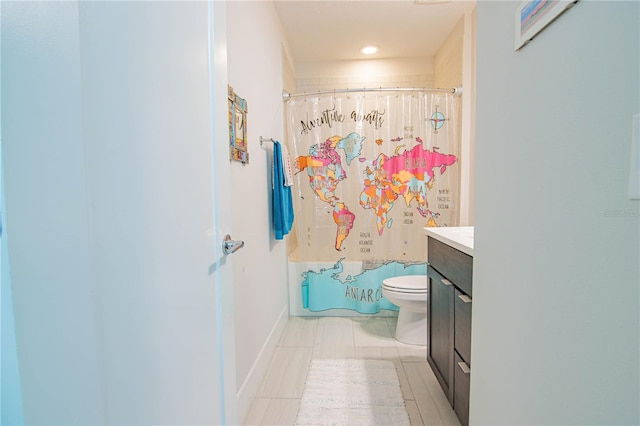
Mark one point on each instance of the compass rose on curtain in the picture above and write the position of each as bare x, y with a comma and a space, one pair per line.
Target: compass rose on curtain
437, 120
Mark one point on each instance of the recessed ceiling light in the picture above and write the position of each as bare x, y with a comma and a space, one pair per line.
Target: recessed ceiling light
369, 50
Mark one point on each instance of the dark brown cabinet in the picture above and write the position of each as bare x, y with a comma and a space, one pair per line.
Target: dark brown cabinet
440, 331
462, 375
449, 322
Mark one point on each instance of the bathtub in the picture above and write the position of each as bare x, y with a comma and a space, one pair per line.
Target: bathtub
357, 284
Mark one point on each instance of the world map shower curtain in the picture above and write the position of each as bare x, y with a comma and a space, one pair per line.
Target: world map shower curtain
372, 169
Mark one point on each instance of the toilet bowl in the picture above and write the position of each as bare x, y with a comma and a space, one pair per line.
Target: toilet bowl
409, 293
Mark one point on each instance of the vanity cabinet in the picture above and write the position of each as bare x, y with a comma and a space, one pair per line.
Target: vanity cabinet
449, 322
440, 331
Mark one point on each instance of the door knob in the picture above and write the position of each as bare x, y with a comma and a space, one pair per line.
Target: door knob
230, 246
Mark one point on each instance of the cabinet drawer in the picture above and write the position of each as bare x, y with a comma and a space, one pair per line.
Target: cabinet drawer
462, 321
462, 375
453, 264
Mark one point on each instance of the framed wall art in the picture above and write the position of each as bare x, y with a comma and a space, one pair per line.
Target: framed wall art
532, 16
238, 128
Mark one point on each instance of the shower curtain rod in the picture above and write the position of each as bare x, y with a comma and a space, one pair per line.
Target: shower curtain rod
456, 91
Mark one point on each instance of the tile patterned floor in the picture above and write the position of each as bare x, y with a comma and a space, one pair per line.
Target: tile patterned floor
306, 338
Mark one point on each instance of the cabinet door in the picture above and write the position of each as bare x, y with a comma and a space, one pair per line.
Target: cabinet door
440, 310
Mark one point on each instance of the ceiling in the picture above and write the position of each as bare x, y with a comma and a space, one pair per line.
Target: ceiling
336, 30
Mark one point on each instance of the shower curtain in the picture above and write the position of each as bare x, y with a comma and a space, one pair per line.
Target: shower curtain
372, 169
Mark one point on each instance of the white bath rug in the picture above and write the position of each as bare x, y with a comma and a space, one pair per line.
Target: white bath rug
352, 392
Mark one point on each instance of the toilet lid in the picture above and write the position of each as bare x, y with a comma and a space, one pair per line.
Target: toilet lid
406, 283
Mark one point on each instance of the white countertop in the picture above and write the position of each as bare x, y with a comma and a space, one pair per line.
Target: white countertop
458, 237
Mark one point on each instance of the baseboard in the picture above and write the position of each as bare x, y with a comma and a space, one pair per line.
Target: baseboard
250, 386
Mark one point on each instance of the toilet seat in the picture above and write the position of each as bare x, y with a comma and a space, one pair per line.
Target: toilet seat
409, 284
403, 291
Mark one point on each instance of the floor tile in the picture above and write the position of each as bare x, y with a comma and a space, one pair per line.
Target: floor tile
286, 374
407, 352
300, 331
405, 386
392, 322
305, 338
334, 338
272, 411
377, 352
414, 413
410, 353
431, 401
372, 332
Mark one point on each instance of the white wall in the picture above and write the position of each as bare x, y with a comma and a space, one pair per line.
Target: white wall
46, 214
10, 393
255, 38
395, 72
556, 294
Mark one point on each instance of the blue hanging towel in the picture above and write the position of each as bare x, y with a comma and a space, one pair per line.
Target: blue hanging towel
282, 200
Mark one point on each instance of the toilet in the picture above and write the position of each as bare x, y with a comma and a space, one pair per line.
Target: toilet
409, 293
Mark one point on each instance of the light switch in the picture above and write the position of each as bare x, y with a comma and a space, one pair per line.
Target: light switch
634, 170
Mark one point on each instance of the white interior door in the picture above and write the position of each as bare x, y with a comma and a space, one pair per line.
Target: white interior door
151, 99
116, 138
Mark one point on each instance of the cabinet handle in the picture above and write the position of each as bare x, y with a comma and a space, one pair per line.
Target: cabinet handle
464, 367
446, 281
464, 298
